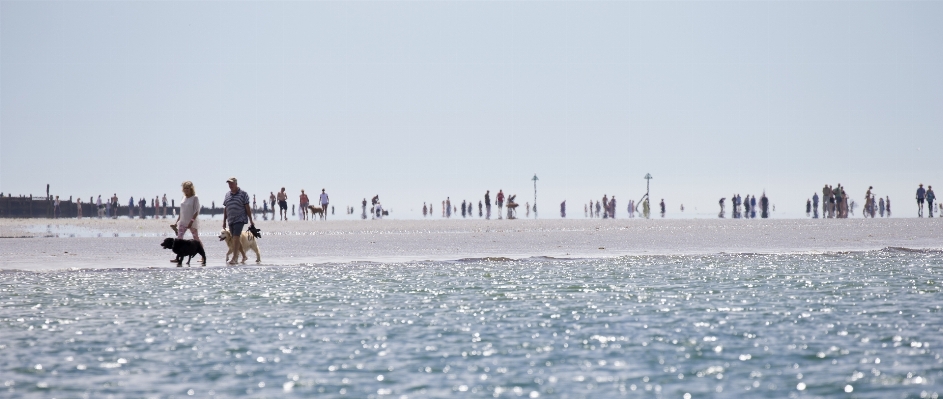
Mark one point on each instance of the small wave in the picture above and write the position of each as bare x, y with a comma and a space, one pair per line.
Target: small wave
913, 250
487, 259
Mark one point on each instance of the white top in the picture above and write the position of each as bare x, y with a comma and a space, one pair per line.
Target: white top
189, 206
324, 198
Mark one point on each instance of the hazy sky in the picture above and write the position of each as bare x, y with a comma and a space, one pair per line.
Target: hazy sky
420, 100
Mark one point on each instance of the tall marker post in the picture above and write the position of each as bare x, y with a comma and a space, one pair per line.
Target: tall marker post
535, 195
648, 179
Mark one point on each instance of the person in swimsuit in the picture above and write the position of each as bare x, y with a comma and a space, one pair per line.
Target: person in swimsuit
304, 205
283, 203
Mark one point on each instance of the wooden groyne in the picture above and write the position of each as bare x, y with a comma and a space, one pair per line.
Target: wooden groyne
41, 207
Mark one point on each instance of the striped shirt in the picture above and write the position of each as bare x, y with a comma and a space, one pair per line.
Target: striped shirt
235, 205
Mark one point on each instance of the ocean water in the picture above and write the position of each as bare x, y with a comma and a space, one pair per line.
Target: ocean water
859, 324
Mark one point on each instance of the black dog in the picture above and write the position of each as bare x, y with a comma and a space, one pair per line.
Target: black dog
184, 248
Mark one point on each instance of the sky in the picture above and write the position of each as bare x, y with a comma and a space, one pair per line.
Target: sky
417, 101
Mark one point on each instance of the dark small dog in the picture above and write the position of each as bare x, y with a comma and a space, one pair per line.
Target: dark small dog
184, 248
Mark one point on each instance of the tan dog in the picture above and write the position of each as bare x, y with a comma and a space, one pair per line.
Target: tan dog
316, 210
248, 242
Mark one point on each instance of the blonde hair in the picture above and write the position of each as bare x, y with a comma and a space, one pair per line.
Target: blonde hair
189, 185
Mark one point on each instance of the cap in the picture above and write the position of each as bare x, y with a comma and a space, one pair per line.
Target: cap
232, 180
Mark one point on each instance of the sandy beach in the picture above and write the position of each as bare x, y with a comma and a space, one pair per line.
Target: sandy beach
36, 244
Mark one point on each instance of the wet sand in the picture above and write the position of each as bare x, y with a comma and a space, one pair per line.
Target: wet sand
42, 244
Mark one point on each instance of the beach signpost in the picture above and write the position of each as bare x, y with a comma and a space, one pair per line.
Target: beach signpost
535, 195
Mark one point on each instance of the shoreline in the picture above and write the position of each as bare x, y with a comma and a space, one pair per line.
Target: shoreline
91, 243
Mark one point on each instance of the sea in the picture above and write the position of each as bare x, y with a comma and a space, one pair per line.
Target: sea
865, 324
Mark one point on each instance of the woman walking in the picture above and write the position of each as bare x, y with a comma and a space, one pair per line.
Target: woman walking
303, 205
188, 219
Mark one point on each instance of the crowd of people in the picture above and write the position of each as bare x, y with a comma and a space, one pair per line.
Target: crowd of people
745, 208
484, 207
837, 204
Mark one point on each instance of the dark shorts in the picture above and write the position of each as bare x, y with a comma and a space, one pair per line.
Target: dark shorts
919, 200
236, 228
283, 205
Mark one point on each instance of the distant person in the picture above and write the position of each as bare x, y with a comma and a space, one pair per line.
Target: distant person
930, 198
282, 198
302, 205
164, 202
721, 203
753, 207
585, 211
443, 208
325, 200
612, 207
425, 210
563, 209
881, 206
488, 204
808, 207
114, 206
188, 218
448, 207
78, 206
887, 204
271, 201
527, 205
837, 193
500, 200
646, 208
921, 196
662, 205
605, 206
101, 207
815, 205
480, 213
56, 211
463, 209
826, 194
598, 208
236, 213
764, 206
363, 206
254, 207
131, 208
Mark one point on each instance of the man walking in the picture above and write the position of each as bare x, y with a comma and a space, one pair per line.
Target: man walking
815, 205
283, 204
921, 195
236, 212
324, 201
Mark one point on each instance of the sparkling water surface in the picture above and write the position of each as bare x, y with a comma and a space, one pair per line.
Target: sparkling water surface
862, 324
